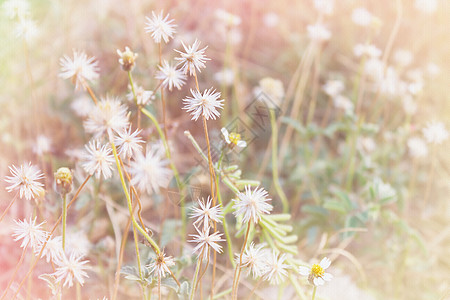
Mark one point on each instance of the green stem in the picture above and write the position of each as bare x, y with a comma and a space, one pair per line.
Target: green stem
225, 226
127, 195
314, 293
197, 269
276, 180
64, 217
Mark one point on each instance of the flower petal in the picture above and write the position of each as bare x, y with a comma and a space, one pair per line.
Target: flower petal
318, 281
327, 277
304, 270
325, 263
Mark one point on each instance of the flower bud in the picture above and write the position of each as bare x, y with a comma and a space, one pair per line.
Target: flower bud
127, 59
63, 181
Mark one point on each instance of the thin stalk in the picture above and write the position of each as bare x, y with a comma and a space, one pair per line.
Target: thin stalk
91, 93
197, 269
254, 288
8, 207
15, 271
314, 293
276, 180
159, 287
78, 287
237, 271
136, 245
64, 218
225, 227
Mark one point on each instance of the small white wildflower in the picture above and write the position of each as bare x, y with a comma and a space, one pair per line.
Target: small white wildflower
128, 143
31, 234
27, 29
16, 8
417, 147
82, 106
192, 58
435, 133
325, 7
255, 258
251, 205
143, 97
272, 89
367, 50
233, 139
403, 57
333, 87
228, 19
205, 105
206, 213
53, 249
318, 32
365, 145
127, 59
409, 105
271, 19
160, 266
426, 6
362, 17
98, 159
149, 172
374, 69
42, 145
171, 76
79, 69
160, 27
383, 191
433, 69
343, 103
70, 268
206, 241
77, 242
25, 179
225, 77
276, 270
108, 116
316, 273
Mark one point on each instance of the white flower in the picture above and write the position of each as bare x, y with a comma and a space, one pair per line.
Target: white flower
77, 242
206, 213
107, 116
409, 105
27, 29
374, 69
127, 59
98, 159
426, 6
25, 179
255, 259
143, 97
205, 241
225, 77
361, 17
271, 19
433, 69
276, 268
316, 274
252, 204
383, 191
417, 147
160, 27
325, 7
81, 69
343, 103
53, 249
233, 139
70, 268
128, 143
366, 49
403, 57
160, 266
171, 76
318, 32
31, 234
228, 19
82, 106
333, 87
42, 145
205, 105
365, 145
272, 89
149, 173
435, 133
192, 58
16, 8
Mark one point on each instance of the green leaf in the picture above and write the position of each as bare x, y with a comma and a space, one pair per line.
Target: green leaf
183, 291
335, 205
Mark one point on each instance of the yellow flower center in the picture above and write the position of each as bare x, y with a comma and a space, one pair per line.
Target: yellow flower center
234, 138
317, 270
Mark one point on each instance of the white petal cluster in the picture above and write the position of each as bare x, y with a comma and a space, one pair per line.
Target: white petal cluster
98, 159
53, 250
193, 58
318, 32
383, 190
417, 147
333, 88
426, 6
366, 50
205, 105
171, 76
160, 266
252, 204
80, 69
206, 213
206, 241
325, 7
361, 17
255, 258
143, 97
160, 27
435, 133
316, 273
25, 179
31, 234
276, 270
16, 8
71, 268
128, 143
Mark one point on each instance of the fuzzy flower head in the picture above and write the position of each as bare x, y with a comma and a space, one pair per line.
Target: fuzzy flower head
63, 180
27, 29
98, 159
366, 50
128, 142
316, 273
255, 259
417, 147
108, 115
193, 58
206, 213
435, 133
325, 7
233, 139
127, 59
171, 76
31, 234
160, 27
361, 17
205, 241
270, 91
149, 172
251, 205
42, 146
276, 270
160, 266
25, 179
228, 19
69, 268
333, 88
426, 6
16, 8
342, 102
80, 69
143, 97
318, 32
206, 104
53, 250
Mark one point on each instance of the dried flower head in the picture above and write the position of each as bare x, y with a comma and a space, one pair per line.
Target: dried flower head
31, 234
127, 59
70, 268
98, 159
255, 259
143, 97
205, 105
63, 180
128, 143
80, 69
435, 133
251, 205
205, 241
316, 273
206, 213
192, 58
272, 89
171, 76
276, 270
160, 266
25, 179
160, 27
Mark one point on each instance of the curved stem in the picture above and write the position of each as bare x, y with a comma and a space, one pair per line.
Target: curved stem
8, 207
197, 269
15, 272
314, 293
276, 180
237, 272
